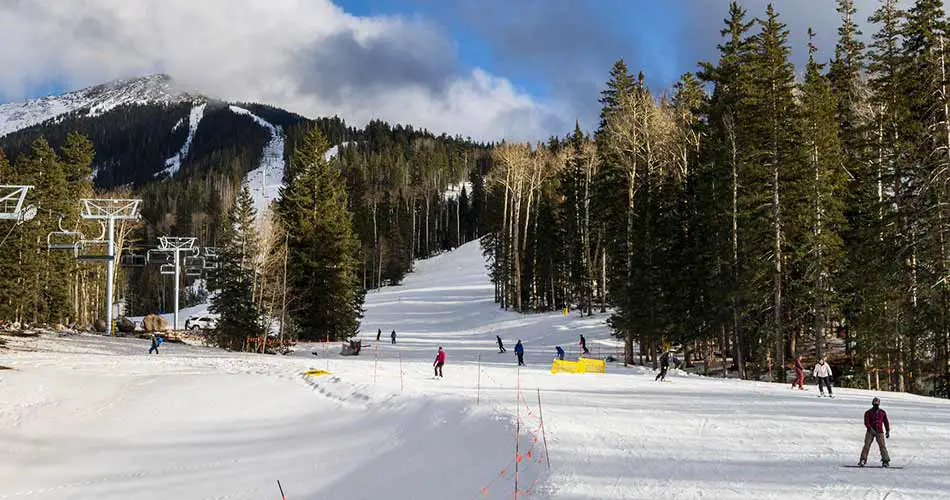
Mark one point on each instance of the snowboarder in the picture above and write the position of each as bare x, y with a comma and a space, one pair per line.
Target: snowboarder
823, 374
156, 341
878, 428
519, 351
501, 345
393, 336
664, 366
583, 344
439, 361
799, 374
379, 333
560, 353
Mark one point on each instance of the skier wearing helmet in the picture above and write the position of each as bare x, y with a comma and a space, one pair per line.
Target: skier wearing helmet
878, 428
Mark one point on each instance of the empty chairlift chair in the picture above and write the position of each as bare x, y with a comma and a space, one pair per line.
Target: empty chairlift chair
64, 239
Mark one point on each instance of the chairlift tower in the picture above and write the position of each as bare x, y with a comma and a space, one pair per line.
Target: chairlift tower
12, 198
176, 245
110, 210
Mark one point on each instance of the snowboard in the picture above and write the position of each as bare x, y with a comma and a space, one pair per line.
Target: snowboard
872, 467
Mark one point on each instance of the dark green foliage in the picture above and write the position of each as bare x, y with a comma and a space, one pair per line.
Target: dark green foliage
233, 301
322, 245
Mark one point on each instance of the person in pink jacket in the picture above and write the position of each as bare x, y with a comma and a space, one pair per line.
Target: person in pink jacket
439, 361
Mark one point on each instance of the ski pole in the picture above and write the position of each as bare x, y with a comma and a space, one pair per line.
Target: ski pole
282, 497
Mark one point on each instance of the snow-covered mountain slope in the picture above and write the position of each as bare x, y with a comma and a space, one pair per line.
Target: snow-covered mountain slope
94, 417
265, 180
173, 164
92, 101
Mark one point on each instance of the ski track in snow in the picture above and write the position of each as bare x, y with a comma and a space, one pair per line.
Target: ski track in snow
266, 180
173, 164
96, 417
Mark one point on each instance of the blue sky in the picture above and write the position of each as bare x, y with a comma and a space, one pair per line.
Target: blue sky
489, 69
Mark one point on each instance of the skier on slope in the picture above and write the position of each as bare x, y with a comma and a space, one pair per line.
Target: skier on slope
583, 344
393, 336
664, 365
560, 353
878, 428
823, 374
519, 351
156, 341
501, 345
439, 361
799, 374
379, 333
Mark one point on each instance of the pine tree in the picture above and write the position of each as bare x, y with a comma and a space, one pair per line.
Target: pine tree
821, 256
724, 159
313, 207
775, 178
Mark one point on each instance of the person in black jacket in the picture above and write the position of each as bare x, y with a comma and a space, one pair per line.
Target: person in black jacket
393, 335
501, 345
664, 365
379, 333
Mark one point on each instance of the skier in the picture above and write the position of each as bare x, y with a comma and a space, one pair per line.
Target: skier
501, 345
156, 341
583, 344
439, 361
560, 353
664, 366
875, 421
823, 374
379, 333
393, 336
799, 374
519, 351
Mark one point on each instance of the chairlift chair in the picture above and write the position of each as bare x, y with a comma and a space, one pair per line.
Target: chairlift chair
194, 272
154, 256
195, 262
63, 239
132, 260
167, 269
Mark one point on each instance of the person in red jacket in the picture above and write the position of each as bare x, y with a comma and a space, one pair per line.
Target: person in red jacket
799, 374
439, 361
878, 428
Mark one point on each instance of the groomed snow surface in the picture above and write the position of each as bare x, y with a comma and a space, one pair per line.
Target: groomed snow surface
94, 417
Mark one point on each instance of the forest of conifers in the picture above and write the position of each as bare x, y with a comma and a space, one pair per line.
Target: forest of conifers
751, 213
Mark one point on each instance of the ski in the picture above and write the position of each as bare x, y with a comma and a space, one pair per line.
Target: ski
872, 467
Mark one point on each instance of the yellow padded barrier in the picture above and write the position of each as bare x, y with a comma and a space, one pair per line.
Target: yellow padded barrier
316, 373
583, 365
593, 365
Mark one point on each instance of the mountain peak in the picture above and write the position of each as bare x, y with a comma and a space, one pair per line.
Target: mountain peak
93, 101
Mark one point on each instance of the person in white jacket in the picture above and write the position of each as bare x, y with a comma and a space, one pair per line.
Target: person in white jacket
823, 374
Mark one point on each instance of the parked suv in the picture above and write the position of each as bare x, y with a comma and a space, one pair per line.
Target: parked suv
200, 323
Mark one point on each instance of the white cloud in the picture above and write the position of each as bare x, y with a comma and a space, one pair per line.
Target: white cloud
308, 56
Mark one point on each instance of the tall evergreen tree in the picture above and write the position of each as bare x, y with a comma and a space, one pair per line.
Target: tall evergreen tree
322, 247
821, 256
233, 281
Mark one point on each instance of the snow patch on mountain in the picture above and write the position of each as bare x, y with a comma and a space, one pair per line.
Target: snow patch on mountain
173, 164
92, 101
335, 150
266, 180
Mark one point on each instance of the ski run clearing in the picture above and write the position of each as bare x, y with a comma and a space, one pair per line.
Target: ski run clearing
96, 417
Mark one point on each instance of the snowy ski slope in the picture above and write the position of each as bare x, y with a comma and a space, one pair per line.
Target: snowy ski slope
93, 417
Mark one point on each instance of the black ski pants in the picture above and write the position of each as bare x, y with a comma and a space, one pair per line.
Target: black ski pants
824, 382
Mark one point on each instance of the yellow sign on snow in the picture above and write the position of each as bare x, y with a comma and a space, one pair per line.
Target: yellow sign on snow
316, 373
